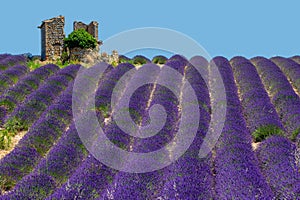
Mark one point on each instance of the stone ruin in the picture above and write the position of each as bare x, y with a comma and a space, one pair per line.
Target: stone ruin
92, 28
52, 39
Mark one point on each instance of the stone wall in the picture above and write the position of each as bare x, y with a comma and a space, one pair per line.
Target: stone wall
52, 36
52, 39
92, 28
81, 54
86, 55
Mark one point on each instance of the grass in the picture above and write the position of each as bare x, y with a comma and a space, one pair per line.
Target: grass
5, 139
265, 131
34, 64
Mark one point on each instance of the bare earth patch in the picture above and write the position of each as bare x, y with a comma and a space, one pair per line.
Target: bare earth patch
255, 145
14, 141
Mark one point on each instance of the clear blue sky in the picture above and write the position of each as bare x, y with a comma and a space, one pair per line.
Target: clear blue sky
226, 28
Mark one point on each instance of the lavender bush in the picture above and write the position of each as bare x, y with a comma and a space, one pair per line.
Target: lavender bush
283, 97
43, 134
18, 93
11, 76
8, 60
38, 101
260, 114
290, 68
278, 164
237, 173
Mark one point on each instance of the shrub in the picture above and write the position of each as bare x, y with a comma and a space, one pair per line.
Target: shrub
80, 38
140, 60
159, 60
123, 59
5, 139
33, 64
265, 131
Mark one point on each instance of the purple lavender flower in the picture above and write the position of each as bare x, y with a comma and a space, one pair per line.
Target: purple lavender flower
69, 71
123, 59
260, 114
10, 60
237, 172
42, 135
11, 76
291, 69
296, 59
283, 97
37, 102
64, 157
106, 86
35, 186
15, 165
278, 164
25, 86
87, 182
3, 56
59, 164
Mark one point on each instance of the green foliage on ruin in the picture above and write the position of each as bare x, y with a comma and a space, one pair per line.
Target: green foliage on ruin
80, 38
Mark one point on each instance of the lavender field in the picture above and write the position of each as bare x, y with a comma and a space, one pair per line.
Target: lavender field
257, 155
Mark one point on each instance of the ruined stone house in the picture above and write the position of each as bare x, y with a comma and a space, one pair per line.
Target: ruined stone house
52, 36
91, 28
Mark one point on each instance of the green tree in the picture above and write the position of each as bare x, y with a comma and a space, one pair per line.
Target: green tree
80, 38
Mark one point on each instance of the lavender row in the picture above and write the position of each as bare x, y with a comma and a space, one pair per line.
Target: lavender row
8, 60
296, 59
136, 186
3, 56
140, 60
185, 177
284, 98
105, 90
237, 172
91, 177
278, 164
39, 139
17, 94
260, 114
53, 170
191, 177
85, 86
290, 68
11, 76
164, 97
159, 59
62, 160
103, 101
160, 184
87, 182
38, 101
96, 175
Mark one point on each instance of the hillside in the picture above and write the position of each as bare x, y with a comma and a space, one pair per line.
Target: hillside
255, 155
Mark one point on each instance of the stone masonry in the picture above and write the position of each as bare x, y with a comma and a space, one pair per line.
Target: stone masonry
83, 54
91, 28
52, 38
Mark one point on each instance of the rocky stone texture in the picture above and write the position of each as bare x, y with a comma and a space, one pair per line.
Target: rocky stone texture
92, 28
88, 56
114, 57
52, 36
